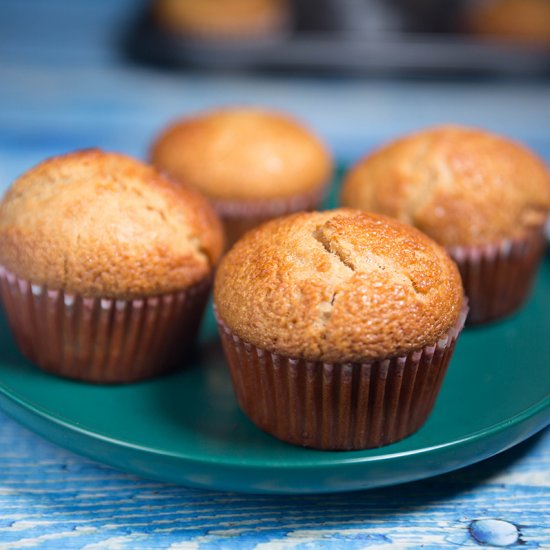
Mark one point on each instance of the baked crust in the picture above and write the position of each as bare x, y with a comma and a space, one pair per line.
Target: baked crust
338, 286
243, 154
104, 224
461, 186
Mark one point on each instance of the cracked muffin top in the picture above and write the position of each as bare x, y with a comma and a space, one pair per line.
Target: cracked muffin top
460, 186
243, 154
104, 224
336, 286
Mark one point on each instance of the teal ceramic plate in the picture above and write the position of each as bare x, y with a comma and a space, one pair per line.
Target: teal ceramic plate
186, 428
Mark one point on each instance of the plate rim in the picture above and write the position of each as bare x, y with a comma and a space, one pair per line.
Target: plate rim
332, 458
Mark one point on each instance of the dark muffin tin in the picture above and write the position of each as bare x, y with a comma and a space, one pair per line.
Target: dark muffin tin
365, 36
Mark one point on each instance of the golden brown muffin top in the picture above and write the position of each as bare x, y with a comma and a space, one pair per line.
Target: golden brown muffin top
104, 224
338, 286
243, 154
221, 18
461, 186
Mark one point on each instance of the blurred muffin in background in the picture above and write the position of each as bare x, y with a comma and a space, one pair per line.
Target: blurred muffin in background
482, 196
518, 21
253, 164
222, 19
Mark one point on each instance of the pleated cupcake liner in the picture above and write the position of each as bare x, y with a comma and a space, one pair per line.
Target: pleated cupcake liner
338, 406
102, 340
240, 216
498, 278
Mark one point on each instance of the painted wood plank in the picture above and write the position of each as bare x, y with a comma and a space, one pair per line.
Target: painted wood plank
51, 497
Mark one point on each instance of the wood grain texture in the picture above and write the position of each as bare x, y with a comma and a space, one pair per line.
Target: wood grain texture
64, 86
53, 499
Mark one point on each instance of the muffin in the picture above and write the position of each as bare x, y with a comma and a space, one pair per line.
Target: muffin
105, 266
253, 164
485, 198
222, 19
338, 327
516, 21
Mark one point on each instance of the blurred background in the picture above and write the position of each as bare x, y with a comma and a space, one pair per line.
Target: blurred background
86, 73
366, 36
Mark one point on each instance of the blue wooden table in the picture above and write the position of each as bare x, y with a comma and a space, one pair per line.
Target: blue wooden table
65, 84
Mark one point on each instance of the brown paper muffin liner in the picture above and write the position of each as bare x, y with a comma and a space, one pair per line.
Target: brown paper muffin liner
498, 278
240, 216
102, 340
333, 406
